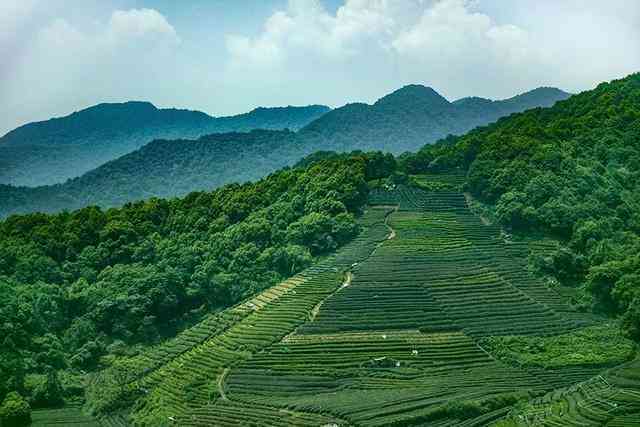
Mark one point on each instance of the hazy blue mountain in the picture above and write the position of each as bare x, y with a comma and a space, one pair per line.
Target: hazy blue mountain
54, 150
415, 115
403, 120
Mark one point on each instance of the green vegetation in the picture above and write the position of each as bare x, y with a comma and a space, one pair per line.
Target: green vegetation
571, 171
14, 411
161, 168
169, 381
350, 289
82, 289
412, 116
610, 399
378, 334
595, 345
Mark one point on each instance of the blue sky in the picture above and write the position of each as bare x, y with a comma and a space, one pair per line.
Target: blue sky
229, 56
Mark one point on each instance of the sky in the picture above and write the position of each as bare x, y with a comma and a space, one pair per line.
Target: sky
225, 57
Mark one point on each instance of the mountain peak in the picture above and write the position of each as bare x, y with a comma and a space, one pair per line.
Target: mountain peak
540, 97
414, 96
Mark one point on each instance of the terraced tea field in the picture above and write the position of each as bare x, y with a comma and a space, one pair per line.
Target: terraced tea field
420, 321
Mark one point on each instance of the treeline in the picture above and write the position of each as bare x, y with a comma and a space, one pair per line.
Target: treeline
572, 170
78, 288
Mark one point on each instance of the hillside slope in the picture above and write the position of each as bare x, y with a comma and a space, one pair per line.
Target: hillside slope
162, 168
417, 322
81, 290
403, 120
52, 151
572, 171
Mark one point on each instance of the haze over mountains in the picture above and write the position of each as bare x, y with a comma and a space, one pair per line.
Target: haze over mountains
415, 115
401, 121
52, 151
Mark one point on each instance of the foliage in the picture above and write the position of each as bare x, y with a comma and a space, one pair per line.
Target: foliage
573, 171
596, 345
466, 409
79, 287
14, 411
413, 116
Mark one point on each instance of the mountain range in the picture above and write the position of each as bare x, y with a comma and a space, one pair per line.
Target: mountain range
415, 115
52, 151
404, 120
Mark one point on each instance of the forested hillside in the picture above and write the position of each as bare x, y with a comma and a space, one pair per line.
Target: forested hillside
52, 151
81, 289
403, 120
163, 168
430, 316
572, 171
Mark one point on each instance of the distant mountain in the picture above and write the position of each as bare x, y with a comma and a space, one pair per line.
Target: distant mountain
54, 150
403, 120
415, 115
163, 168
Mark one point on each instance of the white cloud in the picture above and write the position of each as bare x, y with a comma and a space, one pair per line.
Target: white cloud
307, 27
450, 29
440, 41
415, 28
128, 25
13, 15
62, 55
138, 29
453, 45
68, 67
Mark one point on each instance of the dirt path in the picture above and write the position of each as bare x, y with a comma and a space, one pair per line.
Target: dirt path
392, 235
347, 281
468, 198
392, 232
221, 379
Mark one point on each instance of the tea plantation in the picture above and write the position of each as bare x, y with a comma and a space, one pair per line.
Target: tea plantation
428, 318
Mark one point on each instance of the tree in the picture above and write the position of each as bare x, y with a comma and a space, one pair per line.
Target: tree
15, 411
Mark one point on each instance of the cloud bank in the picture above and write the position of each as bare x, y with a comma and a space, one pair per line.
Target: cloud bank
305, 52
67, 66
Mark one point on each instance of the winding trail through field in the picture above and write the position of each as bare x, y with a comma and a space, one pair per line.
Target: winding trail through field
348, 276
221, 379
392, 232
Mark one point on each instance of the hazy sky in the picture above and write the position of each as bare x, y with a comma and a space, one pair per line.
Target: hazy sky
228, 56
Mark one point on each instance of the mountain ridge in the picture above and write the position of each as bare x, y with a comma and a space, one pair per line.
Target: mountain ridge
400, 121
57, 149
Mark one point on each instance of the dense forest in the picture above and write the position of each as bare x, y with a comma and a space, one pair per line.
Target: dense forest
81, 288
572, 171
55, 150
404, 120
